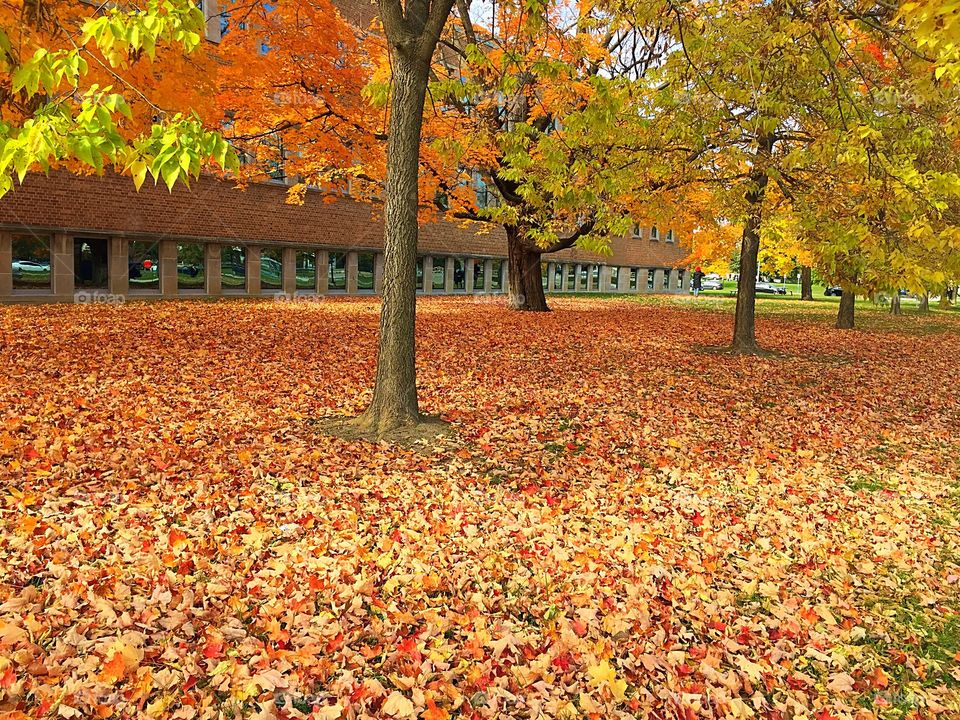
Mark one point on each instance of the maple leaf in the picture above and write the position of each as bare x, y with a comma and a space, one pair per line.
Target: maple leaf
397, 705
114, 670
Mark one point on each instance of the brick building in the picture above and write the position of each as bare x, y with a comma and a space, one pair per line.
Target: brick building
66, 237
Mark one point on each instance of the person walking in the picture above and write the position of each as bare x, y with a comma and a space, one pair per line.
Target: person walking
697, 281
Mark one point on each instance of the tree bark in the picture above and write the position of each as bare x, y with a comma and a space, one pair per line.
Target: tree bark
412, 32
895, 303
744, 320
524, 278
806, 283
845, 316
925, 302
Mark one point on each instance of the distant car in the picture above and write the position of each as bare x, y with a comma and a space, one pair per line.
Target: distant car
833, 291
710, 284
767, 288
189, 270
20, 267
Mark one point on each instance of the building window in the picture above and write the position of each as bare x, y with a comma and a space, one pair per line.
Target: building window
337, 269
650, 277
439, 273
584, 272
306, 270
634, 278
670, 236
654, 233
143, 265
419, 273
680, 278
479, 268
614, 277
637, 231
557, 276
191, 273
571, 277
459, 274
233, 268
31, 262
595, 273
666, 279
365, 270
544, 274
496, 275
271, 269
91, 263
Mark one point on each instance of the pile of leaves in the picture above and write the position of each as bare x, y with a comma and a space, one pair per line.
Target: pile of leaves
624, 525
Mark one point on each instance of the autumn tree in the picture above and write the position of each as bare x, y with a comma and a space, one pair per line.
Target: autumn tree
92, 88
538, 129
802, 103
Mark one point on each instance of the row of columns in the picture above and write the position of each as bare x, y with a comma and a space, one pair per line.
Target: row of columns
62, 272
674, 280
118, 270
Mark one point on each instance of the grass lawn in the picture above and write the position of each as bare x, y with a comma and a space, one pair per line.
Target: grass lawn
624, 525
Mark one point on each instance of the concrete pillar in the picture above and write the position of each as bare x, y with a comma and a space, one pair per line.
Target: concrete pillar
658, 280
118, 266
378, 273
604, 277
551, 270
564, 270
61, 266
323, 272
685, 281
448, 276
590, 287
211, 268
577, 277
468, 275
253, 270
488, 276
352, 270
674, 280
427, 274
6, 265
288, 261
167, 254
504, 276
623, 280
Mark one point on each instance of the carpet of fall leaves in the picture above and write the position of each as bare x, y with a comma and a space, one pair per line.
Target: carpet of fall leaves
624, 525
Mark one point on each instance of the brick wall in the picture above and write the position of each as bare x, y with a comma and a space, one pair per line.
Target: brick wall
216, 211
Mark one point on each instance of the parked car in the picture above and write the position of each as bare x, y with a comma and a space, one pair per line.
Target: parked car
833, 291
710, 284
769, 289
29, 266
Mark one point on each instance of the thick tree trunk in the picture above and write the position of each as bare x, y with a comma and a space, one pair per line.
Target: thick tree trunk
845, 316
744, 320
895, 303
925, 302
806, 283
394, 402
524, 279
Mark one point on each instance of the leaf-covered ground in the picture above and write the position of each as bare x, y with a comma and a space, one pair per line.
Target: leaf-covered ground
623, 526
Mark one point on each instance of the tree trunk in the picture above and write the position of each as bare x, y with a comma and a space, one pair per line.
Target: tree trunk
895, 303
925, 302
845, 317
806, 283
744, 319
394, 402
524, 279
